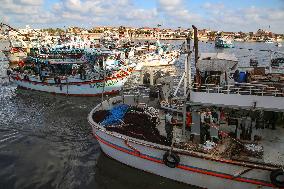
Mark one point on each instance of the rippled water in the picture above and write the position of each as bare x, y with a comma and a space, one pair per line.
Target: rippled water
46, 142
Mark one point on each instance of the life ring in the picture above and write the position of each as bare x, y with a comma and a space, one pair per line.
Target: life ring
273, 177
171, 159
130, 69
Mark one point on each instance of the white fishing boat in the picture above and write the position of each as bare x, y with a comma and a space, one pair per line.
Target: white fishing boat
129, 128
72, 76
71, 86
155, 60
269, 41
164, 56
15, 56
278, 44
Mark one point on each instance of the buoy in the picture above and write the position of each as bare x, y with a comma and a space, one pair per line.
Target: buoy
171, 159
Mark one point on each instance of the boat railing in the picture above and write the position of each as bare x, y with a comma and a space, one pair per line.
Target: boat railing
258, 89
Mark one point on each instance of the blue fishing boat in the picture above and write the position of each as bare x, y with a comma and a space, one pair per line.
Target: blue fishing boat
223, 42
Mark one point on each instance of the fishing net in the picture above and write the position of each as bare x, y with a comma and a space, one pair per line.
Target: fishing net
116, 115
100, 115
140, 123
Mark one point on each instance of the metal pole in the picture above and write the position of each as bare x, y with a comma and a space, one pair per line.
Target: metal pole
104, 67
198, 77
151, 76
187, 83
195, 44
188, 39
179, 84
270, 68
186, 75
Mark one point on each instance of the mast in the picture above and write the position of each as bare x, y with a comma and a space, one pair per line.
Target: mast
104, 71
198, 77
270, 59
187, 80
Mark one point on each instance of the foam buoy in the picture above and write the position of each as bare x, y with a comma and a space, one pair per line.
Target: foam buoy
171, 159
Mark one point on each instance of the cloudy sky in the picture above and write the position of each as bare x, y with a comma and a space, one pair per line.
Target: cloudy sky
226, 15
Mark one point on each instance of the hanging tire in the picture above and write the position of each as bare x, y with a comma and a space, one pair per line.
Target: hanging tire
171, 159
274, 177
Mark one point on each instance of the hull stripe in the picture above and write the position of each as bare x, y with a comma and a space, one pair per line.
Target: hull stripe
113, 92
70, 83
185, 167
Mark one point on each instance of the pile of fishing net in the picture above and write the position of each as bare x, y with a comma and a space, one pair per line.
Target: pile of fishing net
100, 115
132, 121
115, 116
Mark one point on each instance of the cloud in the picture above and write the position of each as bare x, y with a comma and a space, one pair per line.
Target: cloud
22, 12
211, 6
29, 2
115, 12
245, 19
141, 14
169, 13
176, 13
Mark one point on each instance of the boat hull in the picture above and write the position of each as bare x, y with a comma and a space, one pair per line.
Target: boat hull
192, 170
88, 88
15, 58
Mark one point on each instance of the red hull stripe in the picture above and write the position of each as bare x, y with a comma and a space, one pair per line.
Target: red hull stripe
79, 95
70, 83
185, 167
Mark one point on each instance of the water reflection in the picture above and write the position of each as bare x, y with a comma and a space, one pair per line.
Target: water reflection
120, 176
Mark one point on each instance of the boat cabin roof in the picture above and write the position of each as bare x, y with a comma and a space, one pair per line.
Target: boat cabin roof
217, 62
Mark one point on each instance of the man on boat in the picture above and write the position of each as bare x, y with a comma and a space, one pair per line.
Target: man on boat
188, 121
206, 121
169, 122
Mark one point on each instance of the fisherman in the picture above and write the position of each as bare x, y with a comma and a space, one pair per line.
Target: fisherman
82, 72
246, 126
8, 72
271, 118
206, 120
169, 121
236, 76
188, 121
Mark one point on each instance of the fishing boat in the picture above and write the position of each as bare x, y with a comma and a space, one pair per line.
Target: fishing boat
71, 74
278, 44
162, 56
239, 151
269, 41
222, 42
155, 60
15, 55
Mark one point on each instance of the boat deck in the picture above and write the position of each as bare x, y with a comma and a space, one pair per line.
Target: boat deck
255, 88
273, 145
271, 140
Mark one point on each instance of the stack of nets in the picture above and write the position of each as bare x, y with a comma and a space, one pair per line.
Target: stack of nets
141, 124
115, 116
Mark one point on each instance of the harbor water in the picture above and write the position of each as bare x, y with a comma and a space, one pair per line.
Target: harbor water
46, 141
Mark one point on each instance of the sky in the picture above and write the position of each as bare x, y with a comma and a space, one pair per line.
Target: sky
221, 15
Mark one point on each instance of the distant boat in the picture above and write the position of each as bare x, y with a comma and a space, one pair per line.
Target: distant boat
223, 42
278, 44
15, 55
268, 41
